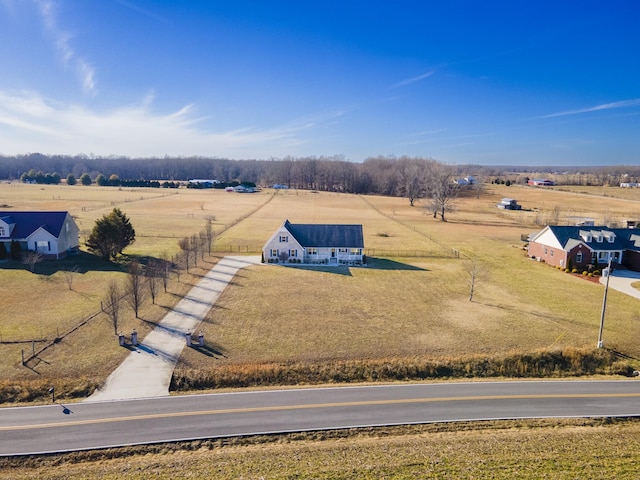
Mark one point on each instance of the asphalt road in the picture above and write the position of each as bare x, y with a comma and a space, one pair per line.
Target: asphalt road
81, 426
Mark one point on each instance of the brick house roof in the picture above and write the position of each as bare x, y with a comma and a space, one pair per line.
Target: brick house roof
624, 238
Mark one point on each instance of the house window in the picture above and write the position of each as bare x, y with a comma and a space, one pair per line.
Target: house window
293, 253
284, 238
43, 246
579, 257
2, 232
545, 250
343, 250
356, 251
552, 252
602, 255
312, 251
274, 252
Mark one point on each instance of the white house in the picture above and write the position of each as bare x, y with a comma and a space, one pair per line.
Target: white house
315, 244
53, 234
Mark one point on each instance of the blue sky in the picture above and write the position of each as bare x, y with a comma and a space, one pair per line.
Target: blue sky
505, 82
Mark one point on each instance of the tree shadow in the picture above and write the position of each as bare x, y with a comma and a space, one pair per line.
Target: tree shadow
623, 355
214, 351
81, 262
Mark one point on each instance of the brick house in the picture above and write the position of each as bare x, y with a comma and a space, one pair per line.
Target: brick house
581, 246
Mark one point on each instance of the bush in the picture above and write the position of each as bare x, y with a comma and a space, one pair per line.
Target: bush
567, 270
584, 272
575, 270
596, 272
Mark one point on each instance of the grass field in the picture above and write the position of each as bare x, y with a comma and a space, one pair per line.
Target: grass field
397, 307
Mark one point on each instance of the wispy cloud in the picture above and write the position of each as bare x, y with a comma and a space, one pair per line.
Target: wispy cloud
30, 123
62, 43
604, 106
409, 81
142, 11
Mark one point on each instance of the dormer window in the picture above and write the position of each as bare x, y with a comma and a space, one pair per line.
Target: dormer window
586, 236
3, 231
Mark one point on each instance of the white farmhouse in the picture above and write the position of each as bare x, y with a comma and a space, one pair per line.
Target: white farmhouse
315, 244
53, 234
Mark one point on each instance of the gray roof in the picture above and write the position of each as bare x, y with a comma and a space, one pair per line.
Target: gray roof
569, 237
326, 235
28, 222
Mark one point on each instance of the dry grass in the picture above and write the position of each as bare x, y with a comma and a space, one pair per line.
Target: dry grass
399, 307
586, 449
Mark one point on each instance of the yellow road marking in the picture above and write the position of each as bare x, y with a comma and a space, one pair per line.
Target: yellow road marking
315, 406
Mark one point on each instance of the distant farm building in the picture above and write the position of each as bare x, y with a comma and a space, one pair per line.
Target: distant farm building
541, 182
465, 181
508, 204
204, 183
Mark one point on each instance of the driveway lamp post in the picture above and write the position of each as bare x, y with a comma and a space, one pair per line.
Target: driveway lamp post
604, 305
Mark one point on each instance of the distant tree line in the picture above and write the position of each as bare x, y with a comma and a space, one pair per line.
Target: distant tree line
384, 175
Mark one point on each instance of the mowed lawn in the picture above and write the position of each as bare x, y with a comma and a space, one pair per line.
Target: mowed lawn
399, 305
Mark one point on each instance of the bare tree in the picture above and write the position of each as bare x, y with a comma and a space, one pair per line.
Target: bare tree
152, 274
194, 245
165, 270
31, 258
442, 190
135, 292
69, 275
208, 231
185, 246
111, 304
412, 178
475, 272
478, 185
202, 244
177, 265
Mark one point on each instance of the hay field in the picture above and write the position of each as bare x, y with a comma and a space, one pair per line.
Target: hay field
395, 307
403, 307
41, 306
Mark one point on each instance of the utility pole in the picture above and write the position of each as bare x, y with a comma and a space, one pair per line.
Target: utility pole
604, 305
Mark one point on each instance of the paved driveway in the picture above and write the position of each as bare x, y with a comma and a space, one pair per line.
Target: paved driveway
147, 371
621, 280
